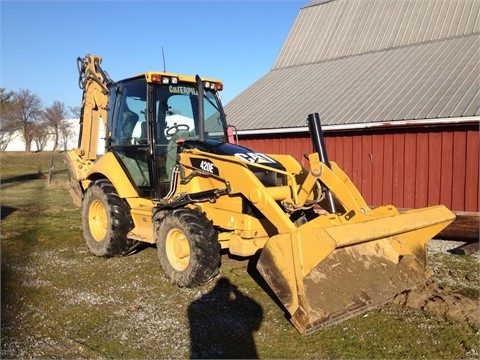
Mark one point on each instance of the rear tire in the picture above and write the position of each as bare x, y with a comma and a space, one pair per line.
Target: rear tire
188, 247
106, 220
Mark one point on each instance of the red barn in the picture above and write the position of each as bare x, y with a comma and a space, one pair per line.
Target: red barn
396, 84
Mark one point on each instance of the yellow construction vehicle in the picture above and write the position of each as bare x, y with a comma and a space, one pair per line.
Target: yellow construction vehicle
168, 175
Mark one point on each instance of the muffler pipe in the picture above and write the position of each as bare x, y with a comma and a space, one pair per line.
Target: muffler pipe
318, 141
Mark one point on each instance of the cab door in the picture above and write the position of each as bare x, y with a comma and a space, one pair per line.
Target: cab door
128, 138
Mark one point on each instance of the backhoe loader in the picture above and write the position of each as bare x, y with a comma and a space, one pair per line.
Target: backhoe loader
169, 175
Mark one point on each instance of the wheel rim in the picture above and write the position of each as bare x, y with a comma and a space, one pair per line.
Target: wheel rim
97, 220
178, 249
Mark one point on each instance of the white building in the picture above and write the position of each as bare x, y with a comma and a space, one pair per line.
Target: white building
17, 143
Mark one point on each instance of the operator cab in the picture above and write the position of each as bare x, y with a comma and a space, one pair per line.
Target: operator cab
150, 115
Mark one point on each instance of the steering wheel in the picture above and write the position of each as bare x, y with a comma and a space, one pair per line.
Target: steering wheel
172, 130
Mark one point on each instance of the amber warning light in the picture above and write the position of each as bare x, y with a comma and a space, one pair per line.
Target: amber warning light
165, 80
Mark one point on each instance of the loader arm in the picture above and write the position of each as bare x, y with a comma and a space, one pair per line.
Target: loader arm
328, 267
352, 259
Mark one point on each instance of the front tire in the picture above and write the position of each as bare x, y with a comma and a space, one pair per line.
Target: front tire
188, 247
106, 220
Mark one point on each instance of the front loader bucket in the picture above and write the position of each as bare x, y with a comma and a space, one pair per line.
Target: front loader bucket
324, 274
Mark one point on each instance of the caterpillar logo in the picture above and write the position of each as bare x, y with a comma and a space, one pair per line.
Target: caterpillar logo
205, 165
256, 157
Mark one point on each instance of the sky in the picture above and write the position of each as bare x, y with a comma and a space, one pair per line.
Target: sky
233, 41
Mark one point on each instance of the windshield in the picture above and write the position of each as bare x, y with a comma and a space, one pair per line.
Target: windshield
177, 114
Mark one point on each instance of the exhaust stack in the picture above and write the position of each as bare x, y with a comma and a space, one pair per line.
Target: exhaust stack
319, 147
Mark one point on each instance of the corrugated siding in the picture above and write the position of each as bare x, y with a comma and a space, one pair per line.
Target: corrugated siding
433, 80
410, 168
341, 28
360, 61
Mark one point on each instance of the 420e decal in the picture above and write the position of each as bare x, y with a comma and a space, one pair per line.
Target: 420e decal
208, 166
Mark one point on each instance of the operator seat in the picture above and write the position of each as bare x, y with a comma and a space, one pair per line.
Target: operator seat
142, 140
129, 120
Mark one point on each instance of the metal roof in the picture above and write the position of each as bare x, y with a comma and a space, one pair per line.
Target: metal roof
370, 61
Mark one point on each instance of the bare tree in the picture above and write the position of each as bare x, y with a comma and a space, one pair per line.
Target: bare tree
40, 133
55, 116
5, 137
75, 111
25, 109
6, 128
66, 133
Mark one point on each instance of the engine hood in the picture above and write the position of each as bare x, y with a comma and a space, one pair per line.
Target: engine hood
220, 148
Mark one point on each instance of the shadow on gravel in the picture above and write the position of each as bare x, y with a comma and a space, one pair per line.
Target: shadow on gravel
5, 211
22, 178
222, 324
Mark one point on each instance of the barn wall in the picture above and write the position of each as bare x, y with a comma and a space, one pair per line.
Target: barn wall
409, 168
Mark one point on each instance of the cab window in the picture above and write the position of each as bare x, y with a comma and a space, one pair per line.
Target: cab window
129, 135
130, 124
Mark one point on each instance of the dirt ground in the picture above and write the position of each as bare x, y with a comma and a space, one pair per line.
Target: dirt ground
440, 299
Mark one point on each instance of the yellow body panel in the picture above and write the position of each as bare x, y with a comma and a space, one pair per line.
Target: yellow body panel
141, 209
110, 168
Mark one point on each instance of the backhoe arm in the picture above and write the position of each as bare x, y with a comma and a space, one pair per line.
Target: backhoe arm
94, 82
